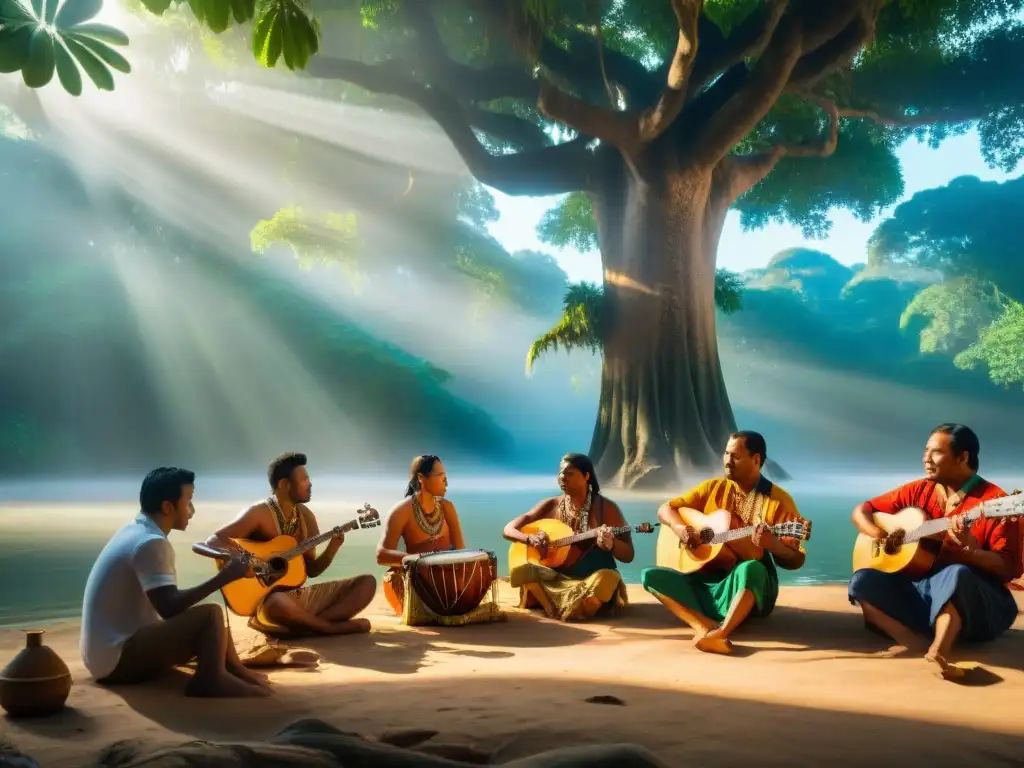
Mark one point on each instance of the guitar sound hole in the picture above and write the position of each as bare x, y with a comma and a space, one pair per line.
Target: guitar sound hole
277, 566
706, 535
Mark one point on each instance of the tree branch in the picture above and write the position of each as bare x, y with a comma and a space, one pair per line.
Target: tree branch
654, 121
507, 128
805, 27
548, 171
581, 67
738, 174
837, 52
618, 128
746, 41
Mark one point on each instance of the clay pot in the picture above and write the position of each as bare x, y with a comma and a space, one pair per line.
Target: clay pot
36, 682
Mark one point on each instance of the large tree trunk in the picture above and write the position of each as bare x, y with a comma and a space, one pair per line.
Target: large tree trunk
664, 414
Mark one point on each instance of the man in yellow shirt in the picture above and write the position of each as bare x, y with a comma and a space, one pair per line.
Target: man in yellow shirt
714, 603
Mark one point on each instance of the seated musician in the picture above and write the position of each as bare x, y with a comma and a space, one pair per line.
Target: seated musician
137, 623
715, 603
328, 607
423, 522
593, 582
965, 595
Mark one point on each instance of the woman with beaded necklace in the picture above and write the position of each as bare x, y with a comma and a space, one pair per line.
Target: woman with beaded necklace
422, 522
593, 582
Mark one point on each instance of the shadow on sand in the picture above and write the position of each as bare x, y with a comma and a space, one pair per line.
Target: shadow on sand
836, 634
683, 728
404, 651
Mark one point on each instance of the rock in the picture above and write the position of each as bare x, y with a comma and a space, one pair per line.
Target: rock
11, 756
462, 753
408, 737
313, 743
120, 753
605, 699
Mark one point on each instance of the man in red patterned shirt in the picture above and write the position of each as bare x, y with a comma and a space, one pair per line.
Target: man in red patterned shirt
965, 596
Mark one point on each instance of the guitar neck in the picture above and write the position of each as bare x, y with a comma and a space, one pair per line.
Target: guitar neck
991, 509
570, 540
314, 541
733, 534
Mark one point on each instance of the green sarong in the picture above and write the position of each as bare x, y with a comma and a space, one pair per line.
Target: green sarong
712, 594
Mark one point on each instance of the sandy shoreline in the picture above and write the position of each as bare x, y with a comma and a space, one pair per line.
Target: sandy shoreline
802, 689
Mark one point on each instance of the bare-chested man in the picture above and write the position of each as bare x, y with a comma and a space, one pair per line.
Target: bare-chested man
327, 608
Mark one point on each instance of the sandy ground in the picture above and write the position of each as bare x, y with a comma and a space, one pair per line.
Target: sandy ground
801, 689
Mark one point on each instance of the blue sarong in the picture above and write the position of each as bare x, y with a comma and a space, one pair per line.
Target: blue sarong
985, 605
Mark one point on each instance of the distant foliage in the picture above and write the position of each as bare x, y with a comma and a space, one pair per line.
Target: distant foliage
47, 37
728, 291
999, 348
313, 238
967, 231
956, 312
570, 224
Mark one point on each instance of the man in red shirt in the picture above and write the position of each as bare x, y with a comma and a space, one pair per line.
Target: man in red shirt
965, 596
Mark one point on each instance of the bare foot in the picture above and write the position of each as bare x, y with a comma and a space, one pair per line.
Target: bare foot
350, 627
712, 642
246, 675
892, 652
224, 687
943, 668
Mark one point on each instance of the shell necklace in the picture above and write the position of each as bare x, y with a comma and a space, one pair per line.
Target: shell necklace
579, 521
430, 524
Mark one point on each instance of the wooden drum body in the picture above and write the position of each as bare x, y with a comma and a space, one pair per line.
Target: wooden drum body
452, 583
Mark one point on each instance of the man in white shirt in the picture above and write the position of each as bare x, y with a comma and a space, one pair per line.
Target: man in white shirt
137, 624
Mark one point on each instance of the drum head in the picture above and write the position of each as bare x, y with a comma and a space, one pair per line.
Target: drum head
454, 557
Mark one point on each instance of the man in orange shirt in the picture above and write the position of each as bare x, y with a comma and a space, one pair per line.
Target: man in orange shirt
965, 596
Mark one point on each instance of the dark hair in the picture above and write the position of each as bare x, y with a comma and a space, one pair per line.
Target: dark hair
582, 462
421, 465
163, 484
754, 443
962, 438
282, 467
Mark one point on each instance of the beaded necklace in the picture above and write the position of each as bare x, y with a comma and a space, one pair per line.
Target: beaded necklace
430, 524
288, 527
749, 509
578, 521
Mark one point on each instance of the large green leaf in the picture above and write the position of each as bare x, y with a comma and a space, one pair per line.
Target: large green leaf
282, 27
103, 52
97, 71
12, 10
67, 70
107, 34
55, 36
38, 69
75, 12
14, 45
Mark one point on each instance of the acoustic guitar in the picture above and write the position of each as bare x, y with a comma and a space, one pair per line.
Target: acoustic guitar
563, 544
715, 531
278, 563
911, 551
